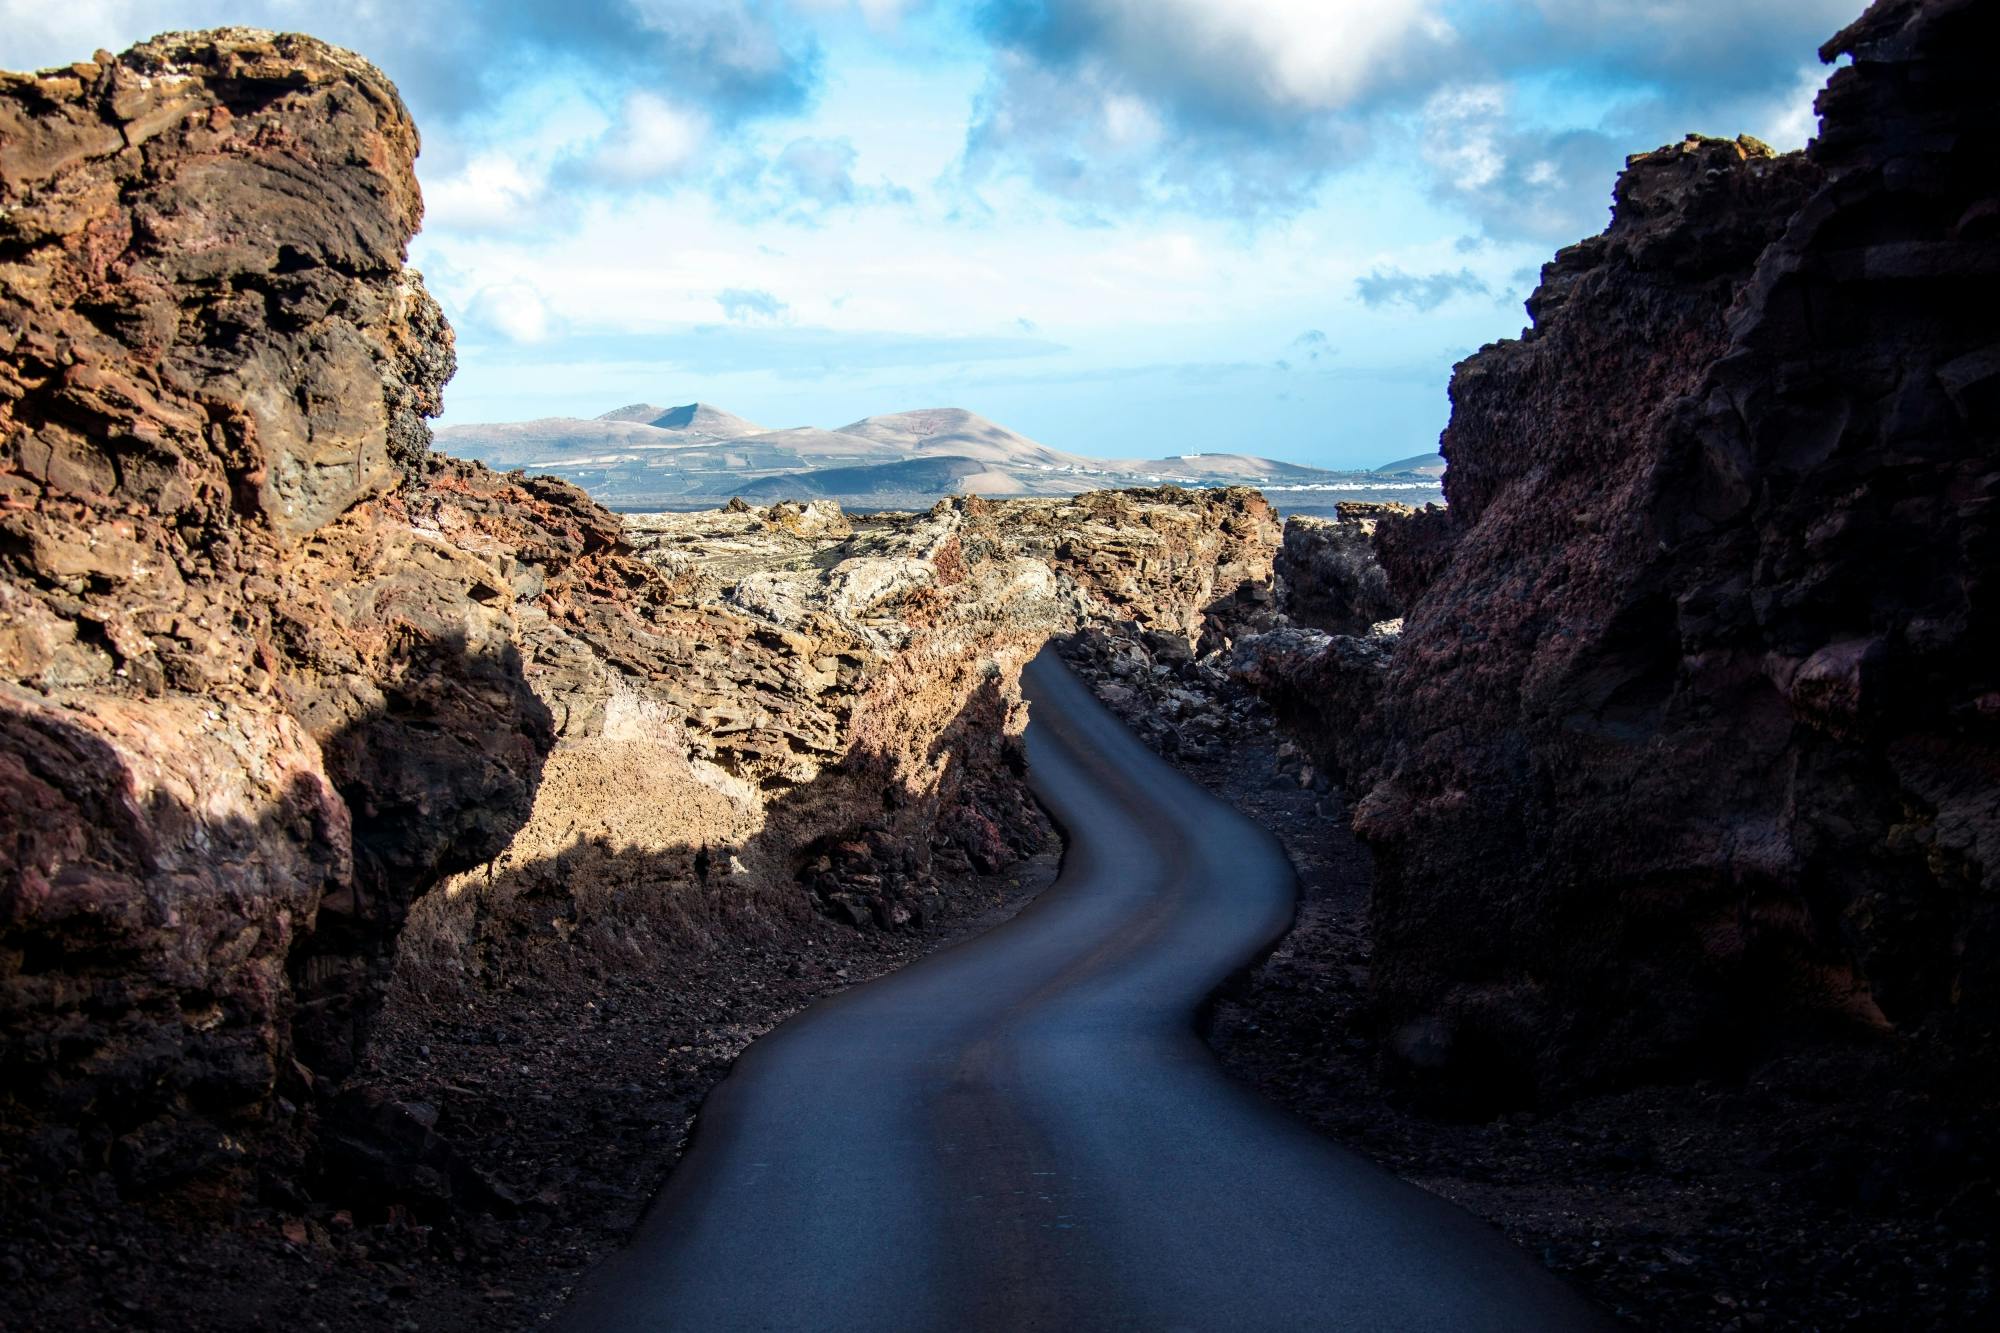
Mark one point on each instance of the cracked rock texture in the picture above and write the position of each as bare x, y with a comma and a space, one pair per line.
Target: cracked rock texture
231, 669
767, 715
1328, 575
1692, 732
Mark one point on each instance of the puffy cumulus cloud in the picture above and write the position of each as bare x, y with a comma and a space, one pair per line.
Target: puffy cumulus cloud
1081, 136
514, 312
1518, 182
1243, 62
1523, 173
1419, 291
1648, 71
1250, 105
1240, 104
490, 192
1794, 119
748, 304
651, 140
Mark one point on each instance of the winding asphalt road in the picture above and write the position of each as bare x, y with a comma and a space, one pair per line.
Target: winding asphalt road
1024, 1131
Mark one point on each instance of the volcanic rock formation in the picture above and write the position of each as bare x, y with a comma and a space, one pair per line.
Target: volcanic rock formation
764, 712
232, 671
1329, 573
1693, 726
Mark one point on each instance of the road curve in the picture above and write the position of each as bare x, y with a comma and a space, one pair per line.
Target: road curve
1024, 1131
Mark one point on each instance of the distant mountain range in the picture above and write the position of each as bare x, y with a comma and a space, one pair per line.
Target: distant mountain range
644, 456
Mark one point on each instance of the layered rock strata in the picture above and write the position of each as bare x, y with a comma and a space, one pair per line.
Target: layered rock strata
232, 672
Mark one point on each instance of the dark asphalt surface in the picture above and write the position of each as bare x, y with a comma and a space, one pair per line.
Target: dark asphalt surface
1025, 1132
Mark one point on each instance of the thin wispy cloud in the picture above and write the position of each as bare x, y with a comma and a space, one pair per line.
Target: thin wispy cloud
1418, 291
746, 305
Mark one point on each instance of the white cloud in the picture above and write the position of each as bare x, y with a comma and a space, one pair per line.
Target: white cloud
651, 139
748, 305
515, 311
1243, 106
880, 14
1462, 135
1305, 54
1322, 54
1129, 121
493, 190
1516, 180
1792, 120
1422, 292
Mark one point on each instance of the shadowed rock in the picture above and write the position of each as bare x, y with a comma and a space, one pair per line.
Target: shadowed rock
1690, 732
249, 711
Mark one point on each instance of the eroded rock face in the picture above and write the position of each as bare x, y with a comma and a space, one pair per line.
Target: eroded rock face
206, 234
1692, 728
249, 711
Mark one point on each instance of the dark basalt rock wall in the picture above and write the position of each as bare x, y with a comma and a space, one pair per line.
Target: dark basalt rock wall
1694, 726
1329, 577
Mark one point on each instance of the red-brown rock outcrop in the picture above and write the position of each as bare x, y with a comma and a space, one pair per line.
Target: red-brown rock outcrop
1691, 728
231, 673
766, 714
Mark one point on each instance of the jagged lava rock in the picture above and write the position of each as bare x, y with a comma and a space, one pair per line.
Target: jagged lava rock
248, 710
1693, 731
793, 714
270, 673
1328, 575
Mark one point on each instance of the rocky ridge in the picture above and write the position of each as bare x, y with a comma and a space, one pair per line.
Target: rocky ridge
819, 714
217, 630
1670, 750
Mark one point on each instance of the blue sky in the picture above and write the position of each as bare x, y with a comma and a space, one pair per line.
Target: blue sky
1123, 227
